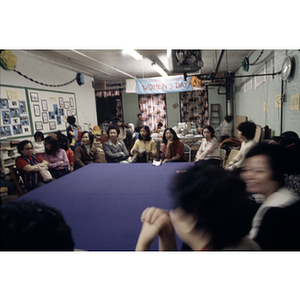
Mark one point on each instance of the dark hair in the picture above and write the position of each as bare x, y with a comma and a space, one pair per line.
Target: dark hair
71, 120
160, 124
175, 137
228, 118
276, 158
91, 136
211, 130
29, 225
291, 149
217, 199
21, 145
113, 127
50, 140
139, 115
39, 134
148, 136
247, 129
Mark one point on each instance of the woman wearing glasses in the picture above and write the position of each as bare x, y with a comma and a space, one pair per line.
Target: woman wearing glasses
29, 165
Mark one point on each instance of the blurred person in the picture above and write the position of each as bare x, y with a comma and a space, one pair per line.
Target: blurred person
209, 149
139, 123
86, 153
39, 144
115, 150
56, 157
29, 165
276, 223
210, 212
173, 147
144, 148
72, 131
225, 128
33, 226
246, 133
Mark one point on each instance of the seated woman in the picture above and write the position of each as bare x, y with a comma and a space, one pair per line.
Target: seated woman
56, 157
115, 150
144, 148
86, 153
29, 165
39, 144
246, 133
172, 148
209, 149
210, 213
276, 224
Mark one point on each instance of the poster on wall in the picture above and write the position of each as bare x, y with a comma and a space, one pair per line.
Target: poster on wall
14, 113
50, 109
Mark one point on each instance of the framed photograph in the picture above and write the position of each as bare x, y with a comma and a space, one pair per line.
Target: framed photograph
45, 117
73, 112
67, 104
34, 97
71, 102
44, 105
38, 125
69, 113
36, 109
51, 115
61, 102
52, 125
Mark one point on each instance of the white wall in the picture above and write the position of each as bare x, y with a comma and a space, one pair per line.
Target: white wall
251, 103
45, 71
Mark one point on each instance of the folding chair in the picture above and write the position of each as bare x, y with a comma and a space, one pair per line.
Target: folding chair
17, 180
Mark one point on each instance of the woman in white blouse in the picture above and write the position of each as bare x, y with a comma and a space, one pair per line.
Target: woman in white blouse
210, 148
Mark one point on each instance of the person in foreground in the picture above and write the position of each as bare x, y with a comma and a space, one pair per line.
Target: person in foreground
33, 226
210, 213
86, 153
276, 224
173, 147
144, 148
30, 165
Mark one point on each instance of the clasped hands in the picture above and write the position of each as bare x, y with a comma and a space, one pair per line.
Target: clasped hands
156, 222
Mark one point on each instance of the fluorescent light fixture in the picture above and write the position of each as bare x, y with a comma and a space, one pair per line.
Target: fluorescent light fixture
159, 70
134, 54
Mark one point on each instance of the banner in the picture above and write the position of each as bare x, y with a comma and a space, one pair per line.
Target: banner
163, 85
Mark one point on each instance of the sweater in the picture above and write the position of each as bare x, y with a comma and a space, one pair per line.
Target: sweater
59, 161
208, 150
82, 157
147, 145
115, 153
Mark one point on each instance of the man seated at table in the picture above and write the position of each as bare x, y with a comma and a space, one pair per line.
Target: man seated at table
115, 150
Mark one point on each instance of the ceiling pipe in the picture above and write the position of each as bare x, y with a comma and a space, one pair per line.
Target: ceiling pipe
221, 53
100, 62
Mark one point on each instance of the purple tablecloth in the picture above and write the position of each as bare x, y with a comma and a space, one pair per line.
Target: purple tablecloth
103, 202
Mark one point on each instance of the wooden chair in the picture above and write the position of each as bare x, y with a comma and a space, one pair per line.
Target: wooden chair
223, 157
231, 156
17, 180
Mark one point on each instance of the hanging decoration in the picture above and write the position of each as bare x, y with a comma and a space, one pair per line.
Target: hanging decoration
79, 78
246, 64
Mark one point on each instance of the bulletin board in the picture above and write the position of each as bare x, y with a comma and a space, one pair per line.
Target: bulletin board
25, 111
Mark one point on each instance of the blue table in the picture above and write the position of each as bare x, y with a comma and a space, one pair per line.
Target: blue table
102, 203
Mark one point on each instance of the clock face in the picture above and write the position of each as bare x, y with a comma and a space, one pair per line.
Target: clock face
286, 68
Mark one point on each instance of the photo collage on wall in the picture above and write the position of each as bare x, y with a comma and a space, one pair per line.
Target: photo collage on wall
50, 112
14, 117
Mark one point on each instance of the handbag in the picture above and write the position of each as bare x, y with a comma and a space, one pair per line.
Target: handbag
46, 175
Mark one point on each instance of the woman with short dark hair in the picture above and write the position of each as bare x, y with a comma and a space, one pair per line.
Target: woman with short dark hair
246, 133
173, 147
276, 224
115, 150
86, 153
211, 212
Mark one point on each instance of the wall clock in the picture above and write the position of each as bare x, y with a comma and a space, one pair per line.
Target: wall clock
286, 68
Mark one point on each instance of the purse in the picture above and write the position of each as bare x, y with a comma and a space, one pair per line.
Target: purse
46, 175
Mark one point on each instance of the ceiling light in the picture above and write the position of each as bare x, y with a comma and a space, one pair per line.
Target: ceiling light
134, 54
159, 70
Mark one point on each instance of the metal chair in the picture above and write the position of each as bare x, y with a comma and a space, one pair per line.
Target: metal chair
187, 151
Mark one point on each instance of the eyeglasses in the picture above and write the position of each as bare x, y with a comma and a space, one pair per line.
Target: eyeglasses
28, 148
